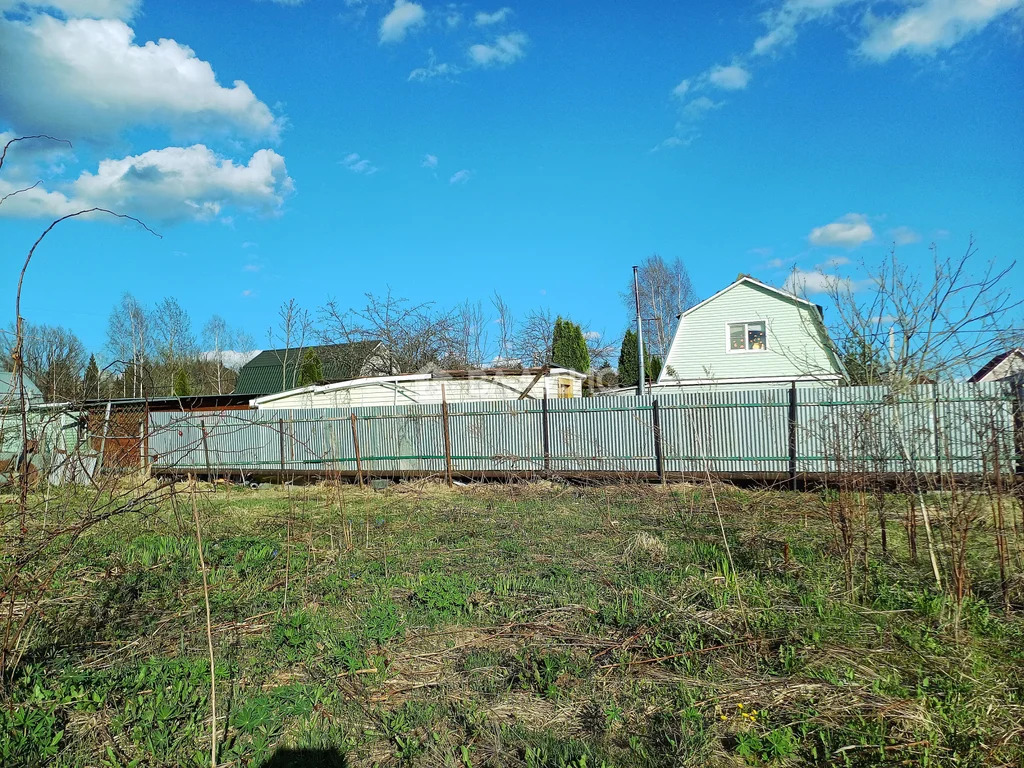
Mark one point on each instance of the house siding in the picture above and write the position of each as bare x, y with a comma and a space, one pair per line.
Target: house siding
425, 391
797, 347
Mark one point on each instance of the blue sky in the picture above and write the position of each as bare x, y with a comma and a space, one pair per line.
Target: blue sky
326, 148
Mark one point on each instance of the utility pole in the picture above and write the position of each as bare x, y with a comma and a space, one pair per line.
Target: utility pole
639, 334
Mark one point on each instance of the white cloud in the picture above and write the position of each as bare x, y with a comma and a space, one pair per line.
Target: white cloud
681, 90
848, 231
87, 78
454, 17
904, 236
358, 164
402, 18
813, 282
483, 19
592, 335
670, 143
460, 177
504, 50
930, 26
429, 161
171, 184
77, 9
231, 358
783, 21
252, 268
832, 263
730, 78
697, 108
434, 69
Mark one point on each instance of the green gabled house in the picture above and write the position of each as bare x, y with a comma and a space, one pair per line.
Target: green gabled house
278, 370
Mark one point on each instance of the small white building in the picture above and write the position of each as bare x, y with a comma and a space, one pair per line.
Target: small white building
422, 388
1003, 367
751, 335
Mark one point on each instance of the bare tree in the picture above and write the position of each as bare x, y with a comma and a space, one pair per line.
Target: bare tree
506, 329
173, 339
294, 326
471, 335
911, 325
665, 292
414, 335
217, 337
129, 341
54, 358
533, 337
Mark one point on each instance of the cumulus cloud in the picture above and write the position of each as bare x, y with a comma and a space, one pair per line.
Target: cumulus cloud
803, 282
682, 89
171, 184
848, 231
360, 165
403, 17
697, 108
503, 51
904, 236
460, 177
87, 78
484, 19
429, 161
730, 78
931, 26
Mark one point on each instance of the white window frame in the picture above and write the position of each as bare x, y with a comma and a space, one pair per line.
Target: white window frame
746, 337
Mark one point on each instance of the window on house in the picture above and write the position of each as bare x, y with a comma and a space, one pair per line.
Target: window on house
747, 337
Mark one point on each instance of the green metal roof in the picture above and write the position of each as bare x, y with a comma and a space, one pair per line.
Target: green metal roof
276, 370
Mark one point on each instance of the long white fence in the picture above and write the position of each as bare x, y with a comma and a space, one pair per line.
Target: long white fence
775, 432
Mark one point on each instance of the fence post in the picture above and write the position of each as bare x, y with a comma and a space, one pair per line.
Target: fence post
1018, 427
103, 440
659, 458
545, 434
355, 444
280, 434
792, 426
206, 454
447, 439
937, 429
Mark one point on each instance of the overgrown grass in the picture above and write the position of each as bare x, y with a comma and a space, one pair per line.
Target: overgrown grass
530, 625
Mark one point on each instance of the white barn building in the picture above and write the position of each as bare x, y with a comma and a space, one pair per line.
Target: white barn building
422, 388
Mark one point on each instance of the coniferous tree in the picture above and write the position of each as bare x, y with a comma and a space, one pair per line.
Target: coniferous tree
311, 370
628, 372
653, 368
182, 383
91, 382
568, 347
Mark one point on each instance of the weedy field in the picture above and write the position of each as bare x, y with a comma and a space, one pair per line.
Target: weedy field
521, 625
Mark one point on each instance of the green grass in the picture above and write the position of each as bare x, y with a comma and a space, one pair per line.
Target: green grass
511, 626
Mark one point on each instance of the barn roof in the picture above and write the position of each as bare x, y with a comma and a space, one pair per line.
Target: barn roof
273, 370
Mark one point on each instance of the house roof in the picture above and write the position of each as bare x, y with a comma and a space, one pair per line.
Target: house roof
271, 368
991, 365
9, 387
759, 284
408, 377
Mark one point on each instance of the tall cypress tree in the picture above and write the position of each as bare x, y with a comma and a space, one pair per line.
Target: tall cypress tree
568, 347
182, 383
628, 372
91, 382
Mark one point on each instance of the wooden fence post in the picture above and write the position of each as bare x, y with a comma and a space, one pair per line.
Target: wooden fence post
355, 445
546, 434
659, 458
447, 439
792, 426
937, 429
103, 440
